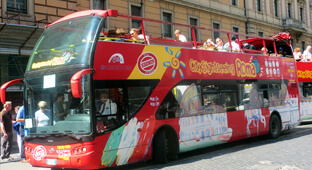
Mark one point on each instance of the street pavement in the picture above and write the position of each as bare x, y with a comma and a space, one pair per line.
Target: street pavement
291, 151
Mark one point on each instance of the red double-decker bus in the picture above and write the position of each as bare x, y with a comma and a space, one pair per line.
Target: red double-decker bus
304, 70
94, 102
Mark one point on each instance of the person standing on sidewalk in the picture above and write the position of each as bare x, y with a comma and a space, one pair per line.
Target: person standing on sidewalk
16, 129
20, 122
7, 134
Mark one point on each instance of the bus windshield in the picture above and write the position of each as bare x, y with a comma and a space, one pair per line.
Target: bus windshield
65, 43
51, 108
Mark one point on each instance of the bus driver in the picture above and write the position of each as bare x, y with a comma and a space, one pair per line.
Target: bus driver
108, 107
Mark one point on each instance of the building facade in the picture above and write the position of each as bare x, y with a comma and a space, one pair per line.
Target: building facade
22, 22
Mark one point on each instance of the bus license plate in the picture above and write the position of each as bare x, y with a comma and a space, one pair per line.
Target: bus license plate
51, 161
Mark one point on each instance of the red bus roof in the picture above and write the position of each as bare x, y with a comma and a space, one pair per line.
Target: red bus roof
103, 13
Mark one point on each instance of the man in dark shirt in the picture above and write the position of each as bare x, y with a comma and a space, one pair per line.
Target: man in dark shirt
7, 134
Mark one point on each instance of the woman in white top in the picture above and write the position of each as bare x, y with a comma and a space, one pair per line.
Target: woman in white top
306, 56
297, 54
43, 115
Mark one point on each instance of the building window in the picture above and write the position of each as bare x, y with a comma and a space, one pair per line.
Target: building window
167, 29
17, 6
289, 10
234, 2
215, 33
259, 5
236, 30
100, 4
301, 14
275, 8
302, 46
136, 11
194, 21
260, 34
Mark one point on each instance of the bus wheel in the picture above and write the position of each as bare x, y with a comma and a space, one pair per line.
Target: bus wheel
160, 148
275, 127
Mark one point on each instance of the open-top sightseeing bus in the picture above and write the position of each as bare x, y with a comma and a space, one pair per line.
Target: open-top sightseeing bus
304, 70
128, 101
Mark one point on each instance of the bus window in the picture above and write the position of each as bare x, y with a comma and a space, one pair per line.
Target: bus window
118, 101
223, 96
181, 101
169, 108
307, 90
250, 97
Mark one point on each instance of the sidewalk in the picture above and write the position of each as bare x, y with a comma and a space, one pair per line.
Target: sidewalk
16, 163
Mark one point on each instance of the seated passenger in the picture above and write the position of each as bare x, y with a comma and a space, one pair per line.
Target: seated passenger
178, 34
307, 55
209, 44
264, 50
111, 34
135, 34
43, 115
108, 107
220, 45
248, 46
297, 54
281, 52
120, 34
235, 46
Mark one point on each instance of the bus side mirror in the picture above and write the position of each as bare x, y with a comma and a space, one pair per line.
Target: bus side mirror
75, 82
7, 85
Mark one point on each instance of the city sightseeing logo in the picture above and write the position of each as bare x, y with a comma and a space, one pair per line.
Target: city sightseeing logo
147, 63
39, 153
175, 63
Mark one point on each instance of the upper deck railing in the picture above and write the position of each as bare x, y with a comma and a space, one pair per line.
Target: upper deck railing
270, 45
264, 43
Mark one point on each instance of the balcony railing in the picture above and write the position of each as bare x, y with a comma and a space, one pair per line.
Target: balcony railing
293, 23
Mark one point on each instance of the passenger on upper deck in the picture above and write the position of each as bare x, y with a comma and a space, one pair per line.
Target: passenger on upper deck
135, 34
263, 49
219, 45
297, 54
209, 44
234, 44
281, 52
120, 33
111, 34
180, 36
306, 56
248, 46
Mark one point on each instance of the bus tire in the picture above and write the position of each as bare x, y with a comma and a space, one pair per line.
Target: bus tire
160, 147
275, 127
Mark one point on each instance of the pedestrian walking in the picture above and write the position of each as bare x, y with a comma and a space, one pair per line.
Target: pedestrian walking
7, 134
